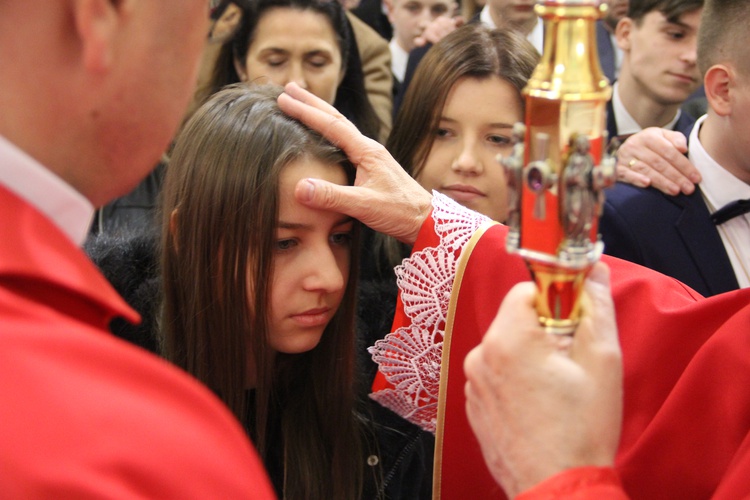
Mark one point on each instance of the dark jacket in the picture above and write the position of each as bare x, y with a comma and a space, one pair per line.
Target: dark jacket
606, 51
670, 234
135, 212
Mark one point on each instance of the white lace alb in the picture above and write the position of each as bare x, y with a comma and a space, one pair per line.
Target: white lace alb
410, 357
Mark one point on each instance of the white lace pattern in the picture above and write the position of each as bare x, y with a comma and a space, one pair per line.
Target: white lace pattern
410, 357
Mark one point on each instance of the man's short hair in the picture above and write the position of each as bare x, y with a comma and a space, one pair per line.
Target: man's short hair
672, 9
723, 34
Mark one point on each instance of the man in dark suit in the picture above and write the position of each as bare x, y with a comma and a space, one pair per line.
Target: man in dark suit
701, 238
671, 234
659, 70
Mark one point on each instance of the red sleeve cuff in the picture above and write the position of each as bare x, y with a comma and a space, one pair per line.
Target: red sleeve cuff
427, 237
581, 483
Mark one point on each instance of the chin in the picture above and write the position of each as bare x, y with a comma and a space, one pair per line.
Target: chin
296, 345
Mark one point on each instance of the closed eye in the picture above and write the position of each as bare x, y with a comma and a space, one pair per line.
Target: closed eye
275, 62
318, 61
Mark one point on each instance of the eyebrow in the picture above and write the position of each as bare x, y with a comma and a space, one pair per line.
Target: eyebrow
279, 50
496, 125
678, 23
307, 227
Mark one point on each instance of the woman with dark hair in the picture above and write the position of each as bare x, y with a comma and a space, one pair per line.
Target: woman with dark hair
259, 302
310, 42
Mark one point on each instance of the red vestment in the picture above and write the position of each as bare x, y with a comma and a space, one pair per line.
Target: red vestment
84, 414
687, 378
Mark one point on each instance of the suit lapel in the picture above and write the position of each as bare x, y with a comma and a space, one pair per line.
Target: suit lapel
703, 242
606, 51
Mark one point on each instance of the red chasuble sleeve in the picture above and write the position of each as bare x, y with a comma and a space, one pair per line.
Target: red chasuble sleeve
584, 483
686, 366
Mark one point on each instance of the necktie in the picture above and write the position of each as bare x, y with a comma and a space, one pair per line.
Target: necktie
730, 211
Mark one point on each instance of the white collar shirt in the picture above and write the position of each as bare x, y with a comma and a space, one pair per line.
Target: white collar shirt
399, 60
719, 187
61, 203
626, 124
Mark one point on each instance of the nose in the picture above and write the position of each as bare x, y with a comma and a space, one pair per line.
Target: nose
468, 162
691, 55
690, 50
297, 75
325, 272
425, 17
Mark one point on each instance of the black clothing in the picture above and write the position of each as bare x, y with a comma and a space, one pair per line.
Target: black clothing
397, 456
135, 212
371, 12
670, 234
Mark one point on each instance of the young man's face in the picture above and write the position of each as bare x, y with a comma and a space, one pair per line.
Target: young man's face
661, 55
512, 12
410, 17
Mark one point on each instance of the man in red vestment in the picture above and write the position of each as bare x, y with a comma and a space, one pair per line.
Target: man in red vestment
91, 93
548, 416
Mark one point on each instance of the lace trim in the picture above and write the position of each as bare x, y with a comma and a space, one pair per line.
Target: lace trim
410, 357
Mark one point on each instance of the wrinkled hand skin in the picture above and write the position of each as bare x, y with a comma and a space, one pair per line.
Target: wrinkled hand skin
540, 403
384, 196
656, 157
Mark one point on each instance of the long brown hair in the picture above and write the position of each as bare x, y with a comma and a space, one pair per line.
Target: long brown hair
473, 50
220, 210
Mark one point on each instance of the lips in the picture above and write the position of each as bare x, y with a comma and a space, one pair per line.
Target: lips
684, 78
313, 317
462, 192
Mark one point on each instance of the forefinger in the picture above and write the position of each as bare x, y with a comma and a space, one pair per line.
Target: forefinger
321, 116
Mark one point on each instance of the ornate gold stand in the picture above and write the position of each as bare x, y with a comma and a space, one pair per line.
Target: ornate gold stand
557, 171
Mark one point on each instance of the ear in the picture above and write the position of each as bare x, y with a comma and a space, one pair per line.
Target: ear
240, 69
622, 33
96, 23
718, 82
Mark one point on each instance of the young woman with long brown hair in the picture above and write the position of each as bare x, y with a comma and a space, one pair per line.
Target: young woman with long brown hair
259, 301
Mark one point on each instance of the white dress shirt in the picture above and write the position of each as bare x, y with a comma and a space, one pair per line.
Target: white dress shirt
626, 124
719, 187
64, 206
399, 59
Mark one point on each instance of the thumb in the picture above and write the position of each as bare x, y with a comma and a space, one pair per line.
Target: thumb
678, 139
323, 195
